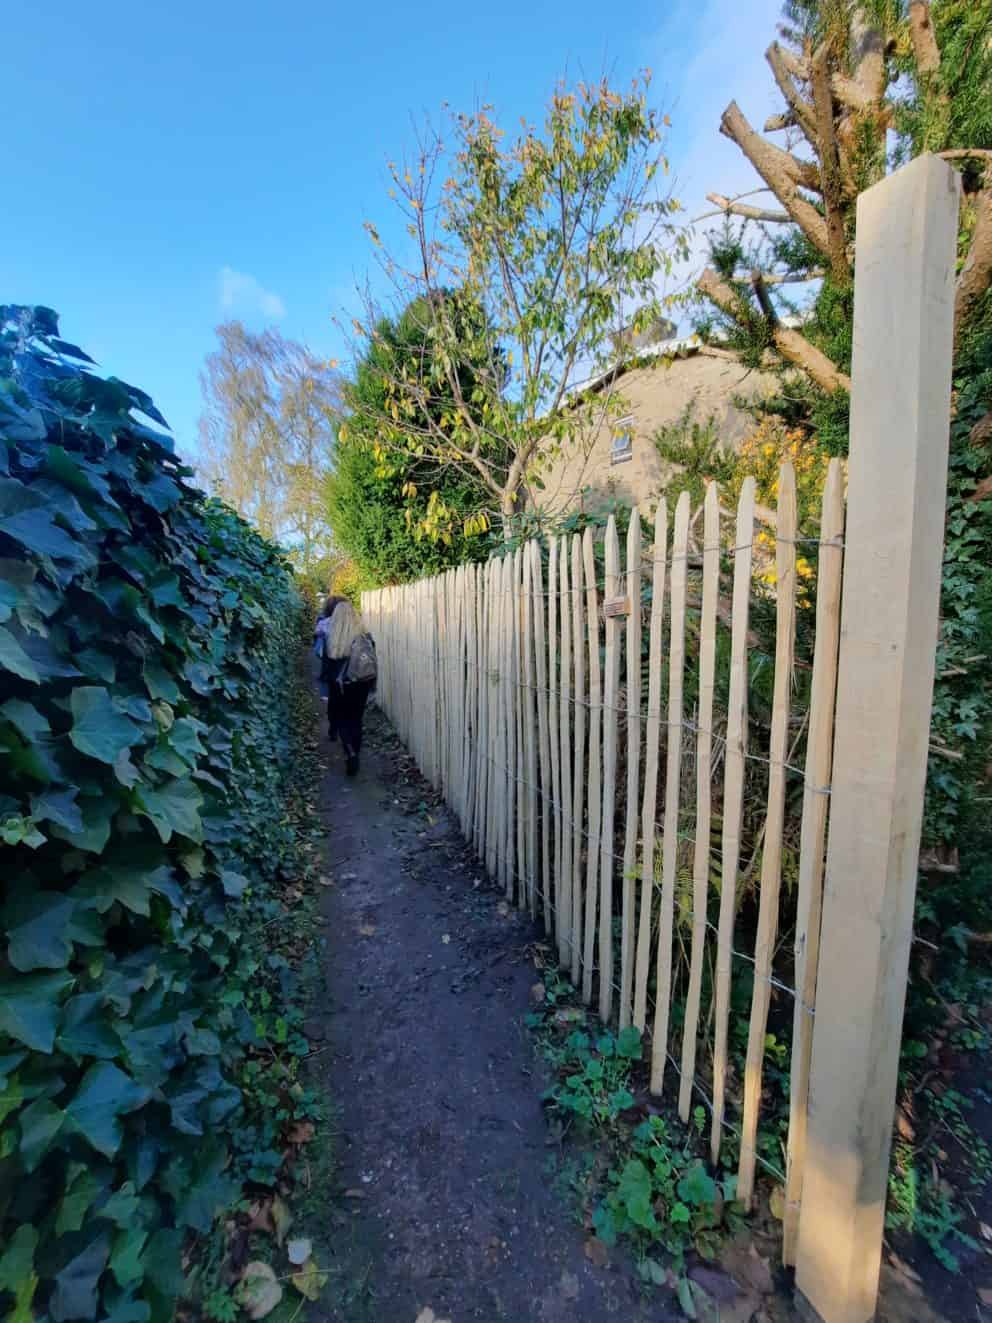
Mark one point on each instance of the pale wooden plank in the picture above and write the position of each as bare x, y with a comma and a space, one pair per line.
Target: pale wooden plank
771, 857
482, 739
554, 807
704, 766
528, 681
510, 727
652, 739
628, 939
565, 940
492, 708
809, 887
578, 777
673, 778
611, 700
544, 741
733, 801
594, 799
519, 661
907, 235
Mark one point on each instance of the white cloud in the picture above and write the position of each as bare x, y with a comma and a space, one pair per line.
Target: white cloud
242, 292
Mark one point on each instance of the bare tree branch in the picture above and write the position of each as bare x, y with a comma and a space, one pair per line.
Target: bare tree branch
830, 170
925, 48
976, 273
850, 92
786, 277
792, 346
768, 160
775, 123
801, 110
729, 207
764, 298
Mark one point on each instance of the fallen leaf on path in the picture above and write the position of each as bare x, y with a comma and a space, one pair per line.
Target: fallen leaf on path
446, 938
355, 1194
367, 929
597, 1252
309, 1281
301, 1133
326, 881
260, 1217
299, 1250
502, 909
748, 1267
282, 1219
537, 992
258, 1292
427, 1315
569, 1286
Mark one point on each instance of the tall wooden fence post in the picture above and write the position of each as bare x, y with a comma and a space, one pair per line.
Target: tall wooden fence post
900, 400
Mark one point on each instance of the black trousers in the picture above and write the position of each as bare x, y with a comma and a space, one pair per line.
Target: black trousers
345, 710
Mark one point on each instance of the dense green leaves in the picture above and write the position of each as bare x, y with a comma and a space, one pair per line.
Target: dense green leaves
98, 727
145, 635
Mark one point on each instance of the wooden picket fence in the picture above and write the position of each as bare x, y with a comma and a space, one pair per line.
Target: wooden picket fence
518, 686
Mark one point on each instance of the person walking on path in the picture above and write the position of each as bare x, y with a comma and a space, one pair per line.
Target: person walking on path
349, 671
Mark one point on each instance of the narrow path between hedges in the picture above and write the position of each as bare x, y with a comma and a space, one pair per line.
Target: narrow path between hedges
445, 1195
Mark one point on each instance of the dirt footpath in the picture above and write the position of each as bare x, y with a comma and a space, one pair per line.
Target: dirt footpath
446, 1199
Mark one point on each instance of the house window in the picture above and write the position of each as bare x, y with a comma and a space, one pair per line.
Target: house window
622, 445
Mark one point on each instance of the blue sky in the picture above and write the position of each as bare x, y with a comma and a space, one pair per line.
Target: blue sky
167, 167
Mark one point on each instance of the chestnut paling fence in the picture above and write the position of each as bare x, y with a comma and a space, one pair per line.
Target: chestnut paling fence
519, 687
594, 720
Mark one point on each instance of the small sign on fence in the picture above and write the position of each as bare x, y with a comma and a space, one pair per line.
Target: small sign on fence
616, 606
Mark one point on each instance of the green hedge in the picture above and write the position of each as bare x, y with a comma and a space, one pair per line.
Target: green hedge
146, 640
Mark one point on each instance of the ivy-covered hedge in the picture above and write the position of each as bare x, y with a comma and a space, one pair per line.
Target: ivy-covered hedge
146, 636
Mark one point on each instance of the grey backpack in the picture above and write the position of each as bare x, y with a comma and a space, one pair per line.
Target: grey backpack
362, 663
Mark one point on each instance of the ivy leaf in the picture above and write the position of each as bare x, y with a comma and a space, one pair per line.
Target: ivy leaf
160, 683
132, 887
45, 654
29, 1008
37, 928
82, 1189
163, 1272
97, 817
126, 1310
234, 884
11, 1096
17, 1261
202, 1043
26, 720
104, 1095
58, 806
40, 1122
13, 658
184, 738
174, 807
75, 1294
122, 1206
25, 518
125, 1258
87, 1030
98, 729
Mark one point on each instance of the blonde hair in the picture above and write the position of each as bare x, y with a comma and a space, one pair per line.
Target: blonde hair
345, 627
